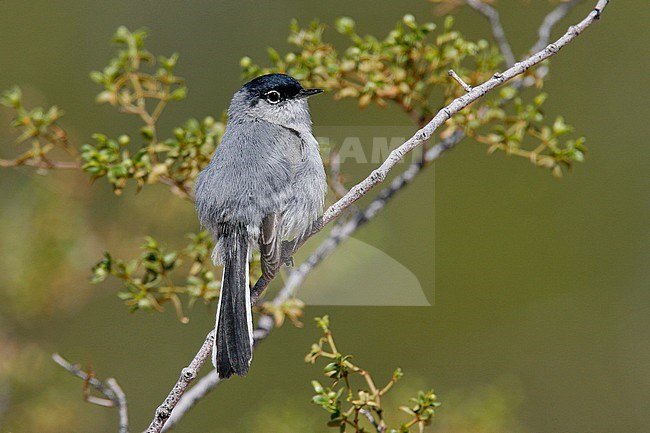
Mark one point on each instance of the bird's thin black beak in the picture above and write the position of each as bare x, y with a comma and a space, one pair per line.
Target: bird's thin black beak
304, 93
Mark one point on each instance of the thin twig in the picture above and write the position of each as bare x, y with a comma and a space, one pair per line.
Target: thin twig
499, 34
265, 323
459, 80
37, 163
76, 370
62, 137
110, 389
122, 406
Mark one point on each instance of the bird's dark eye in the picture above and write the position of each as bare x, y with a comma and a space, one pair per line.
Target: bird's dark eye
273, 96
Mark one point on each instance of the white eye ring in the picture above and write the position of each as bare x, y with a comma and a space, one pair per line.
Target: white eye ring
273, 96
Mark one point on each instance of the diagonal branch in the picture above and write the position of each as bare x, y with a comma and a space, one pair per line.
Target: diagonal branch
550, 20
188, 374
265, 324
544, 33
208, 382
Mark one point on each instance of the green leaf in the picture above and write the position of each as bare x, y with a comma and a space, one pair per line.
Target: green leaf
323, 322
345, 25
146, 132
12, 97
179, 94
317, 386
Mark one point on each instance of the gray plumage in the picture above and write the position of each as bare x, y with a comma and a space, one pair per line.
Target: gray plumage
264, 184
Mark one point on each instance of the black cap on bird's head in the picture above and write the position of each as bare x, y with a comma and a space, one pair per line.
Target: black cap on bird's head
276, 88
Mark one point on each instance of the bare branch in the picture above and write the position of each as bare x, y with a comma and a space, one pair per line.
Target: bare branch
121, 399
499, 34
77, 371
188, 374
208, 382
459, 80
111, 390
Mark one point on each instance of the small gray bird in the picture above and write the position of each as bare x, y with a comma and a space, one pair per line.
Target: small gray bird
264, 185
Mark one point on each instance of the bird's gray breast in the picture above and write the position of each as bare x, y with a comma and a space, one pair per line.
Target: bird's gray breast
249, 176
308, 188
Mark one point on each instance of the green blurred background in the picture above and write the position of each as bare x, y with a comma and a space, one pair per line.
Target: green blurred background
541, 312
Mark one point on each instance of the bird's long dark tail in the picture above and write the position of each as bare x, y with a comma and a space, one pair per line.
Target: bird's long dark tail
233, 346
